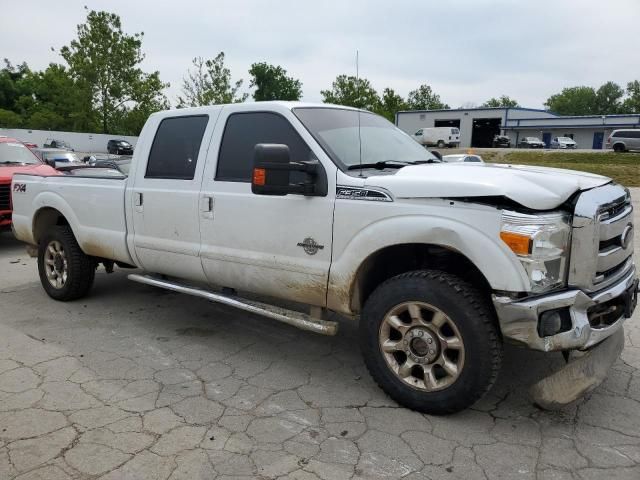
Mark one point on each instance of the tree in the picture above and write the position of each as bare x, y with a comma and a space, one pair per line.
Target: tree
272, 83
503, 101
350, 91
390, 104
104, 62
632, 102
573, 101
10, 80
9, 119
423, 98
609, 99
210, 84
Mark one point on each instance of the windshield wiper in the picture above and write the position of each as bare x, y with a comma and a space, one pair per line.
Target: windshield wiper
12, 162
391, 164
380, 165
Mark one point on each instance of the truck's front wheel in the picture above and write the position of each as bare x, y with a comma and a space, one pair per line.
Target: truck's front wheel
430, 341
66, 273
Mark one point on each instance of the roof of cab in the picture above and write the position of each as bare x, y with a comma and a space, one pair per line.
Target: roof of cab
253, 106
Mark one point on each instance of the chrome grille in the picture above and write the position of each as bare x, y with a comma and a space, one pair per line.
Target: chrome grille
602, 238
5, 196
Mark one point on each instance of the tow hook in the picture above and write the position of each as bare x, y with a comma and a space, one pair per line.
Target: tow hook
583, 372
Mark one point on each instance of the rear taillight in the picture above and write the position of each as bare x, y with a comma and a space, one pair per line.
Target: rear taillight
608, 140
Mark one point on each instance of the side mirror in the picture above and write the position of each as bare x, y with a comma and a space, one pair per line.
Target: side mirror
272, 168
51, 162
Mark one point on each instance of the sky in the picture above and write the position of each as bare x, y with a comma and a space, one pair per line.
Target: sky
467, 50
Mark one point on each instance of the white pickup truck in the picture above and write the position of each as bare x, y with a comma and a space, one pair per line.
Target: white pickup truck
338, 210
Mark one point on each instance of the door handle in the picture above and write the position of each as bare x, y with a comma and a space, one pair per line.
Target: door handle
138, 199
206, 206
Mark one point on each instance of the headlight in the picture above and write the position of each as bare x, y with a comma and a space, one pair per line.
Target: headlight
541, 243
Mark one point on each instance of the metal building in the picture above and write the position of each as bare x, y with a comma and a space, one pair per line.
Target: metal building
479, 125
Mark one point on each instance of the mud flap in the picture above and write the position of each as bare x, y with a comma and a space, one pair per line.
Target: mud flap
580, 376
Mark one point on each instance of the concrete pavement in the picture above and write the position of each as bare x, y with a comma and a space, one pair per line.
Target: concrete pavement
139, 383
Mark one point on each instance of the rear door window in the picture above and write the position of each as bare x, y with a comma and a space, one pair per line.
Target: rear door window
174, 153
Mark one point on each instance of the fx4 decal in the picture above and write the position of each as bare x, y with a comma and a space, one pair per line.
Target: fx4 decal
19, 187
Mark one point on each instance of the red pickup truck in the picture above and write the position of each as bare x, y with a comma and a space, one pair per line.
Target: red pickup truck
15, 157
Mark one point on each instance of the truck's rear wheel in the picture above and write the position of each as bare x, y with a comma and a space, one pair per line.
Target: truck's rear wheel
441, 144
66, 273
430, 341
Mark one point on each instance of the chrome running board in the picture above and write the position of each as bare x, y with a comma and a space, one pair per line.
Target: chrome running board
290, 317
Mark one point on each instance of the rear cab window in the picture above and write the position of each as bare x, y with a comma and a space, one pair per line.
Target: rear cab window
175, 148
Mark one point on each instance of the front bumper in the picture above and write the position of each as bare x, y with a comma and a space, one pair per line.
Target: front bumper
519, 318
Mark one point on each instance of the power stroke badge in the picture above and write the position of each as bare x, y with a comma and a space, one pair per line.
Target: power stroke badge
310, 246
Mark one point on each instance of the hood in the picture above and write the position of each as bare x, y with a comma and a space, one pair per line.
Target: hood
7, 171
538, 188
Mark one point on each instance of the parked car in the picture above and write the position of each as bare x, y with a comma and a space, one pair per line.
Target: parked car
60, 144
438, 136
440, 264
51, 156
624, 140
119, 147
30, 145
468, 158
501, 141
563, 142
531, 142
15, 157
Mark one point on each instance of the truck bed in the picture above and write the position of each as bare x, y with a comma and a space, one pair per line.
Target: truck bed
92, 202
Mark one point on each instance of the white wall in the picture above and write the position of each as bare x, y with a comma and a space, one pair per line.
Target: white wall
80, 142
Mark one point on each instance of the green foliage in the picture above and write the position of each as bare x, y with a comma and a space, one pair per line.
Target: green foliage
9, 119
632, 102
349, 91
104, 64
390, 104
609, 99
209, 84
423, 98
503, 101
11, 84
573, 101
606, 100
272, 83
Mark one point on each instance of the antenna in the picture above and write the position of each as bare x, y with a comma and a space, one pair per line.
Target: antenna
359, 107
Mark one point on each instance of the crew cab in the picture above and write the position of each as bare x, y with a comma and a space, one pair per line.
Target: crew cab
15, 157
338, 210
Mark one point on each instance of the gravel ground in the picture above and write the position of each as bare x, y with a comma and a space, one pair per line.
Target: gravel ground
138, 383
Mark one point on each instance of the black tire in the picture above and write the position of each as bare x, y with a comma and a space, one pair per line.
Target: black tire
619, 148
440, 144
466, 308
80, 268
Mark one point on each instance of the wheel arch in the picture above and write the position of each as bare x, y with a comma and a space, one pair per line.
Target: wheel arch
393, 260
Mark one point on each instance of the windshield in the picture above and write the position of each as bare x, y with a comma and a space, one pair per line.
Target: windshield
61, 156
565, 139
13, 152
336, 130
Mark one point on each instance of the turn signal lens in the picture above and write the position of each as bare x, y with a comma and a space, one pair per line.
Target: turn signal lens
519, 244
259, 176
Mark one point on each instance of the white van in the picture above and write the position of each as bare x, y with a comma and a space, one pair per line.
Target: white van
439, 136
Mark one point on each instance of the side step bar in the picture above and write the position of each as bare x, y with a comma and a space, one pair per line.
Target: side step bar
290, 317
